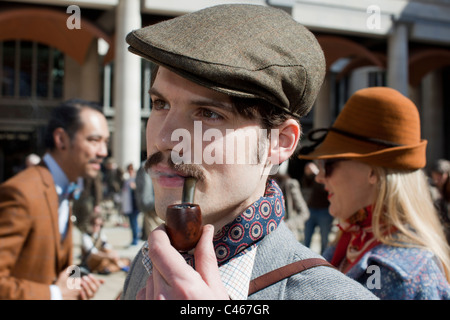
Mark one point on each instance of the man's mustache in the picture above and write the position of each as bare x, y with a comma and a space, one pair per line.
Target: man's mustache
188, 170
98, 160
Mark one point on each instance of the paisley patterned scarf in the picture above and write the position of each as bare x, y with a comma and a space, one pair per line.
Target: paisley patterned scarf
357, 238
260, 219
243, 233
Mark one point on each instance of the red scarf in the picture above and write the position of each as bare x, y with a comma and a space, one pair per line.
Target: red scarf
357, 238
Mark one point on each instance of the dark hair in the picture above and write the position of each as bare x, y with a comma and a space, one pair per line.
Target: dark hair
441, 166
67, 116
269, 115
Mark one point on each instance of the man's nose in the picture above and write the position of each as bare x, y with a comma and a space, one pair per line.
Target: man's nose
103, 149
175, 129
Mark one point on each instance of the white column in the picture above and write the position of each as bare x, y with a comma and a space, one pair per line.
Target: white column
322, 110
397, 73
432, 115
127, 88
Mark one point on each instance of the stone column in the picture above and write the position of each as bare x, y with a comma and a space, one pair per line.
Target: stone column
127, 88
83, 81
432, 115
322, 110
397, 72
90, 74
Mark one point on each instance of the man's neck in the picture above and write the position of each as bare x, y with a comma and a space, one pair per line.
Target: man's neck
233, 212
57, 157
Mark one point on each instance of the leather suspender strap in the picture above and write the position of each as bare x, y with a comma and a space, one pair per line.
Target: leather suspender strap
279, 274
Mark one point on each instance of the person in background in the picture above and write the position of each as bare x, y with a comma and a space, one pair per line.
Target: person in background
440, 184
370, 162
112, 188
318, 208
297, 211
35, 208
31, 160
97, 254
129, 204
145, 199
88, 203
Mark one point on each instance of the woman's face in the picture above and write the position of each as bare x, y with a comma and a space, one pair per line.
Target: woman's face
351, 185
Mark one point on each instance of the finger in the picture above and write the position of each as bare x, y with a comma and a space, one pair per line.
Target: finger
150, 288
89, 285
141, 294
205, 257
85, 288
146, 293
98, 282
165, 258
206, 261
160, 287
160, 227
83, 295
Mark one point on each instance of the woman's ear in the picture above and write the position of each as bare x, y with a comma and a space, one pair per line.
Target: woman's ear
373, 177
60, 138
283, 141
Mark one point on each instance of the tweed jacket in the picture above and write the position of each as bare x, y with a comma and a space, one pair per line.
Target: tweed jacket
277, 249
31, 251
404, 273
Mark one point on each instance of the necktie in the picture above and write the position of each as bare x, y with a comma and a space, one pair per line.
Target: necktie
72, 191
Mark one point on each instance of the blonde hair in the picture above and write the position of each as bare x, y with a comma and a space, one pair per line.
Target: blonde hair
404, 214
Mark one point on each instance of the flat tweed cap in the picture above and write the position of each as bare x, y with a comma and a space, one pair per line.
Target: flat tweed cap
248, 51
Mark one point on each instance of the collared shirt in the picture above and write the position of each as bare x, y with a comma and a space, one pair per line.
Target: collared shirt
235, 274
61, 184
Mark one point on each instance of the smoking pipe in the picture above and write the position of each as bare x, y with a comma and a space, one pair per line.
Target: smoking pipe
184, 221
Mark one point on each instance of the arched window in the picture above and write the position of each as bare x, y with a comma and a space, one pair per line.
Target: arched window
31, 70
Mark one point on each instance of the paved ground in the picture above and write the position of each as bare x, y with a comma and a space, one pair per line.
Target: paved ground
120, 238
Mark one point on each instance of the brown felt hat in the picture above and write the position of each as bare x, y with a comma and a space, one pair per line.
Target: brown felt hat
248, 51
378, 126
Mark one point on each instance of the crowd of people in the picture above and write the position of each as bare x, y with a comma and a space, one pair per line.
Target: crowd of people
236, 69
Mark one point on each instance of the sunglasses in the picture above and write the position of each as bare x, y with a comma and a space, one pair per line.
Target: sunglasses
328, 165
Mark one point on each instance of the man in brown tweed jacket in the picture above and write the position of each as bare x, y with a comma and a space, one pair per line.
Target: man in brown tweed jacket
35, 226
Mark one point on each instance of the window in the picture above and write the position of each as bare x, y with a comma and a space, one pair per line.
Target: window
376, 79
30, 70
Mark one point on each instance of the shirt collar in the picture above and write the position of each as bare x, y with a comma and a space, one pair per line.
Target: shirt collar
59, 177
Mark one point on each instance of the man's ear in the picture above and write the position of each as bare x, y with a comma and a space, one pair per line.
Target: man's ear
61, 139
283, 141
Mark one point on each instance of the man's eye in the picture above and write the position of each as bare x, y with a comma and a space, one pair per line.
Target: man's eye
206, 113
158, 104
94, 140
